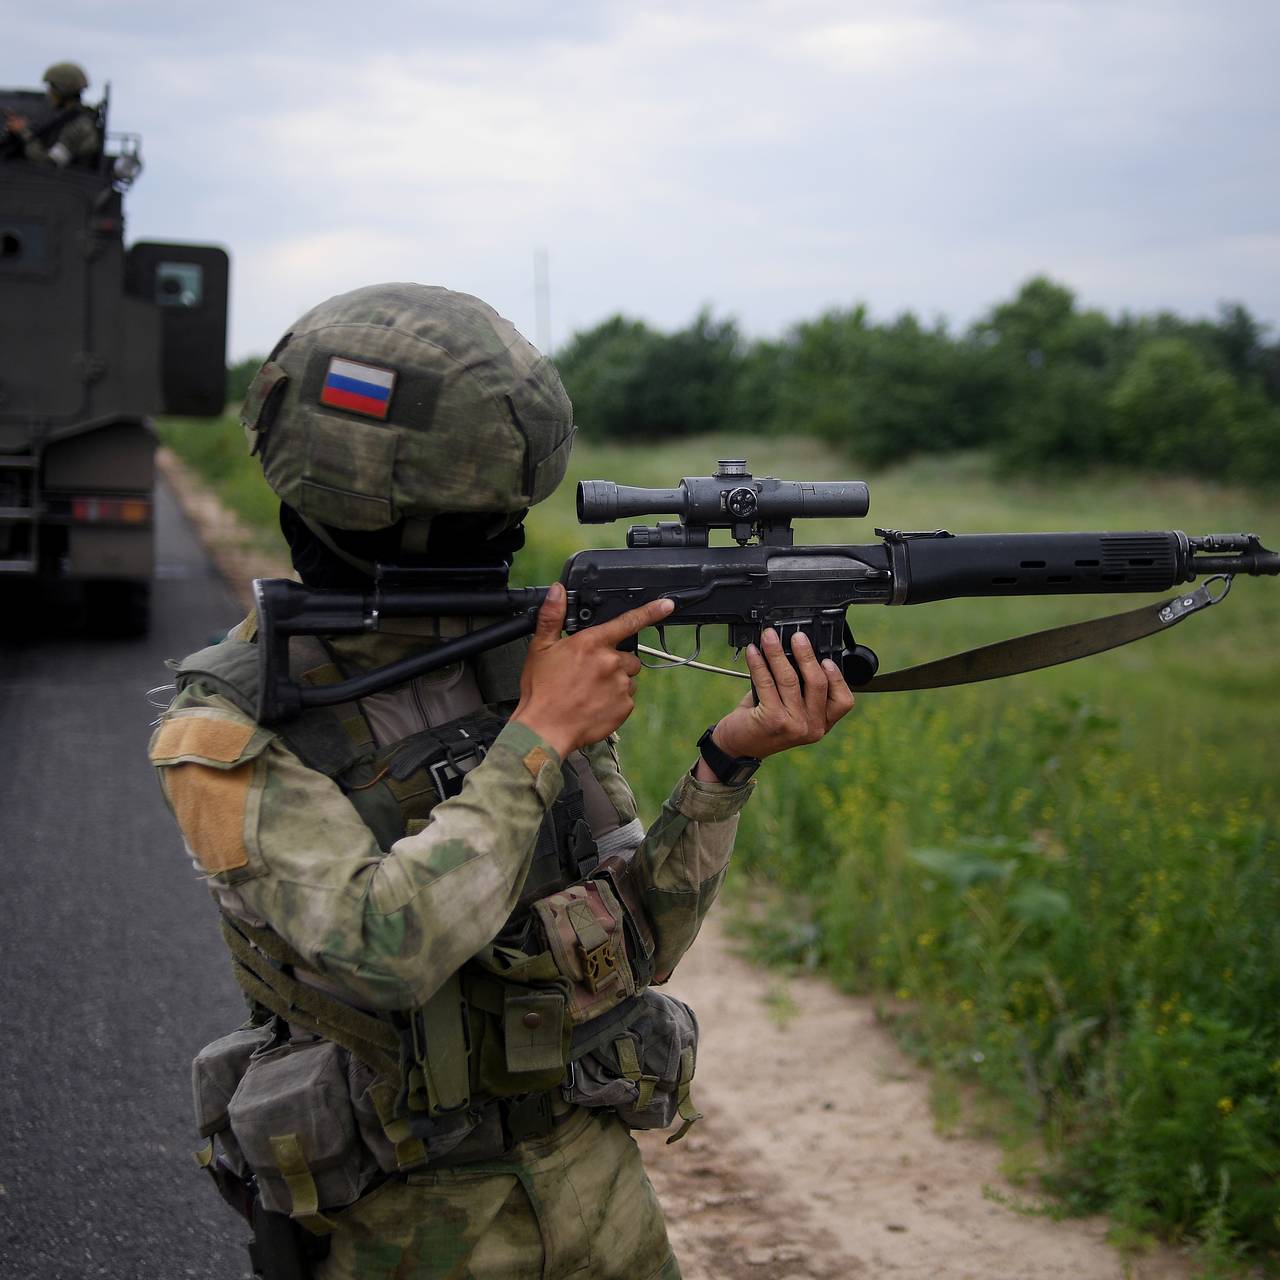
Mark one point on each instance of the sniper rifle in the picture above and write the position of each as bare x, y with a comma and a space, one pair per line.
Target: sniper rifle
765, 580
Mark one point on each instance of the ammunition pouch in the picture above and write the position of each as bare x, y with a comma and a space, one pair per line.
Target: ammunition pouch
280, 1249
583, 927
215, 1075
645, 1071
292, 1118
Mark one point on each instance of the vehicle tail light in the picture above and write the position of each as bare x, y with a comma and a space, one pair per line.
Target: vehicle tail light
111, 510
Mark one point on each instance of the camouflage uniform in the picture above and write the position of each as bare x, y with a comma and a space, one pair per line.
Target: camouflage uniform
75, 141
594, 1214
284, 851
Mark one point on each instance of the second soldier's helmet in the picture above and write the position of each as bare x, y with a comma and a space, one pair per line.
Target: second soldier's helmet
66, 79
390, 406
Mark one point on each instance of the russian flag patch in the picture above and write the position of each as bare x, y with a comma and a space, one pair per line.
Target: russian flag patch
360, 388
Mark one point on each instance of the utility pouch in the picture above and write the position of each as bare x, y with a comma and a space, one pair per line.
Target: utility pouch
215, 1074
292, 1116
400, 1142
584, 929
645, 1072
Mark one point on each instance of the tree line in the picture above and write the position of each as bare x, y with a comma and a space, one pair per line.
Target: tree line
1038, 381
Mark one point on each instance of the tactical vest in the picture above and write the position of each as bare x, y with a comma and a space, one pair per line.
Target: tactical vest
555, 984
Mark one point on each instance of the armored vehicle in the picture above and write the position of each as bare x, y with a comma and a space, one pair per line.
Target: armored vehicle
94, 337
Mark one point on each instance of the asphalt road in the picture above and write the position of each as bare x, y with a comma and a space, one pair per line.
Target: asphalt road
113, 974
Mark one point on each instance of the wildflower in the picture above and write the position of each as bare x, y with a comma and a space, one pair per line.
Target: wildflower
1226, 1106
1185, 1017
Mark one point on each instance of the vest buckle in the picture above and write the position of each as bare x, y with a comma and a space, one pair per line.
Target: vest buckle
599, 965
450, 773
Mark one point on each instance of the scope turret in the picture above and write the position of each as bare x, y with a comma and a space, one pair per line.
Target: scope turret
732, 497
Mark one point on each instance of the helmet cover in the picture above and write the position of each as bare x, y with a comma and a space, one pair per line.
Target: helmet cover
66, 79
407, 401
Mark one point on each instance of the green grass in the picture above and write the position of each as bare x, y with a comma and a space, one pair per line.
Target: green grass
217, 452
1068, 883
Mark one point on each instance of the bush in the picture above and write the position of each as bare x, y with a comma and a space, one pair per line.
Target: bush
629, 382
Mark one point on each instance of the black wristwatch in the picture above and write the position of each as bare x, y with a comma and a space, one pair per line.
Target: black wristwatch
733, 771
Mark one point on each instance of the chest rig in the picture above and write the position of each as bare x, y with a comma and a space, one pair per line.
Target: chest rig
474, 1068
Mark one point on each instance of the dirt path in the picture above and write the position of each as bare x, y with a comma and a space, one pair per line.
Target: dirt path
237, 553
817, 1158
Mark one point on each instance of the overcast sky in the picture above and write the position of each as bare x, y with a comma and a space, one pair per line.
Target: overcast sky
769, 159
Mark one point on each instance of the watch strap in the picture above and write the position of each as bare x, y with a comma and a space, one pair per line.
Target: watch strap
733, 771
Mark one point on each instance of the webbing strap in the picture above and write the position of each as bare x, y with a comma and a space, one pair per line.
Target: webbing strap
440, 1080
629, 1065
684, 1100
409, 1151
628, 1059
369, 1038
1046, 648
296, 1173
589, 930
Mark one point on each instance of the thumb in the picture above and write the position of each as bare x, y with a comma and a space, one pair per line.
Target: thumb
550, 617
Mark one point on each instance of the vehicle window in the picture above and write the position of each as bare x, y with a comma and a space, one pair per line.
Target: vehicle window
179, 284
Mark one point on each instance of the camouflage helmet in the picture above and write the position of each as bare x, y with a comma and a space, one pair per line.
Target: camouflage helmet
66, 79
396, 403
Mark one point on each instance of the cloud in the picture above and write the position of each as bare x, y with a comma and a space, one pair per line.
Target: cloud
771, 157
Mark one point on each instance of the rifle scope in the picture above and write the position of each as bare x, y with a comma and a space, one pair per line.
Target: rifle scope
731, 496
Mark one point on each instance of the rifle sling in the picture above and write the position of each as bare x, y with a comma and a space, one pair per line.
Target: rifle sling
1046, 648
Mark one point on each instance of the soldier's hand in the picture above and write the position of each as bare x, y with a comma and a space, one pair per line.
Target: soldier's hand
788, 713
575, 690
15, 123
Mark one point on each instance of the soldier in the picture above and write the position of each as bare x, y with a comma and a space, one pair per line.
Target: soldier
440, 903
71, 135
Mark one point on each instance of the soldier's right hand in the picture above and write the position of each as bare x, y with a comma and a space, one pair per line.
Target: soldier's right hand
575, 690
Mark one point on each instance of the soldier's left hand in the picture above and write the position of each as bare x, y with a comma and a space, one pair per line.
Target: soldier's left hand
788, 713
14, 122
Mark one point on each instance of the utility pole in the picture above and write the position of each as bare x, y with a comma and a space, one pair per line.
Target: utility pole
542, 301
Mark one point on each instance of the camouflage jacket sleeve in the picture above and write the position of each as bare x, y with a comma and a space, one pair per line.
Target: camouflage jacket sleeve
77, 140
282, 845
684, 856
